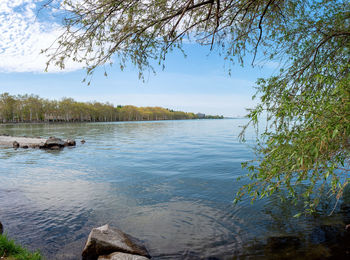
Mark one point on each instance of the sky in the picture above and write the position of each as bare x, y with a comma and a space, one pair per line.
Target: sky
198, 83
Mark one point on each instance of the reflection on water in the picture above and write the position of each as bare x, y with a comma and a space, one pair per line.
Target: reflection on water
169, 183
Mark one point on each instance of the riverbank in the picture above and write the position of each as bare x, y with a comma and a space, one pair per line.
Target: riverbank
103, 243
22, 140
82, 122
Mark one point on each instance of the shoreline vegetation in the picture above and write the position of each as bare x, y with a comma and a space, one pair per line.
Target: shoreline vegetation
10, 250
34, 109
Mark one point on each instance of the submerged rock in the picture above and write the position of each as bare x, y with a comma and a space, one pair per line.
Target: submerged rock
105, 240
122, 256
283, 242
336, 238
83, 141
329, 234
56, 147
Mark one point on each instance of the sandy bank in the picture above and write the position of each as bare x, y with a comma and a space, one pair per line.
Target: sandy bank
23, 141
30, 142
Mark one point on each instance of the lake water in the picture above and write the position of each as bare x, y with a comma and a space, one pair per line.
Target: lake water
168, 183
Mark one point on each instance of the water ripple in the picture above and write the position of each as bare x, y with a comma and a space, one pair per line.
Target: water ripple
169, 183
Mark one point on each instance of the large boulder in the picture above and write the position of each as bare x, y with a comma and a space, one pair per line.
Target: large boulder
106, 240
122, 256
1, 228
54, 143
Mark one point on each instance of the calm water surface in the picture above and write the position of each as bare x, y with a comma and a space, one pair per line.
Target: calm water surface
169, 183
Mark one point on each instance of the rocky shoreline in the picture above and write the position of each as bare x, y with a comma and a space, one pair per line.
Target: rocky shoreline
107, 243
325, 242
52, 143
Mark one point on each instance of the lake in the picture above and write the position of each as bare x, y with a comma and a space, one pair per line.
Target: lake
169, 183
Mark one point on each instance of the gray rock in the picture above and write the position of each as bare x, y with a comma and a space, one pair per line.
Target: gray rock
42, 145
122, 256
105, 240
83, 141
70, 142
54, 142
15, 144
1, 228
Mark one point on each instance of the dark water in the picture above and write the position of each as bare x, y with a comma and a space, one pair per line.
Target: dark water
169, 183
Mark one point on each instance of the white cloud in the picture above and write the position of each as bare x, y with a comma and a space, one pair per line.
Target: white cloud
23, 36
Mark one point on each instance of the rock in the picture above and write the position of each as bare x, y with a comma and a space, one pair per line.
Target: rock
15, 144
330, 234
25, 146
42, 146
82, 141
70, 142
122, 256
54, 142
283, 242
105, 240
335, 237
1, 228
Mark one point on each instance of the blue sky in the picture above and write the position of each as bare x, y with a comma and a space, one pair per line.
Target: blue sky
197, 83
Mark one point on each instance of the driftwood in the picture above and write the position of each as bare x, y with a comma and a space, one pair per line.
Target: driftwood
29, 142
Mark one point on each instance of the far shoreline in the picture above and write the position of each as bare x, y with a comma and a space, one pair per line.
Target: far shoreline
80, 122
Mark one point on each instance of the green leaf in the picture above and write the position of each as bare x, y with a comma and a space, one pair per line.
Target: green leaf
297, 215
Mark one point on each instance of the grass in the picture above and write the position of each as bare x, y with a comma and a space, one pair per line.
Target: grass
12, 251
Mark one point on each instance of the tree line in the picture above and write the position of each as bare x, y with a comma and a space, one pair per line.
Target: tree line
32, 108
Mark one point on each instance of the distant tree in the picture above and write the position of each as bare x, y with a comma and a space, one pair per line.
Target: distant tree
31, 108
7, 107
